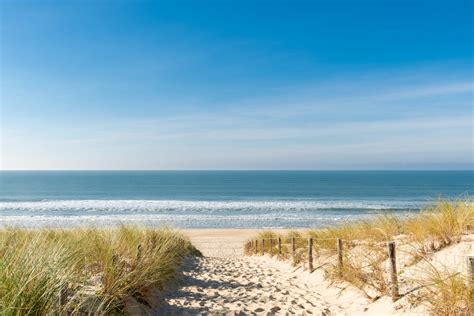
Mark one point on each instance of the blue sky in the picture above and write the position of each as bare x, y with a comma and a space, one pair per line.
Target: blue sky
236, 84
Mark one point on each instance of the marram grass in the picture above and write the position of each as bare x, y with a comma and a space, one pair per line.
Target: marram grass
90, 270
433, 228
365, 253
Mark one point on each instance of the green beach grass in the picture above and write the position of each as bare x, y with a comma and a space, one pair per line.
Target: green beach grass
89, 270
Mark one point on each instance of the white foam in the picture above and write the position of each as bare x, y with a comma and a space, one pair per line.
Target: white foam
237, 214
178, 205
198, 221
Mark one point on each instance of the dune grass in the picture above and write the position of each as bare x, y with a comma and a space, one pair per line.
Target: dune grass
445, 291
432, 229
48, 271
440, 225
366, 258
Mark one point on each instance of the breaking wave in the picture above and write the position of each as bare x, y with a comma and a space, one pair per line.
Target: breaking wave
196, 206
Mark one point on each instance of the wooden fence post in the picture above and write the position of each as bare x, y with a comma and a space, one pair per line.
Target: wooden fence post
393, 271
470, 273
310, 254
271, 247
115, 259
293, 249
339, 256
62, 299
470, 268
279, 246
263, 246
256, 246
139, 252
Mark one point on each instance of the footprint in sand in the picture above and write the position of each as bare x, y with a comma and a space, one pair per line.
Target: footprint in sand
244, 286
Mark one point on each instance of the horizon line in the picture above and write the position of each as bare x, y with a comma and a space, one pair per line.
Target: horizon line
217, 170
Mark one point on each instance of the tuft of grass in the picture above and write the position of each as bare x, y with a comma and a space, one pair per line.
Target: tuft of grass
446, 292
440, 225
49, 271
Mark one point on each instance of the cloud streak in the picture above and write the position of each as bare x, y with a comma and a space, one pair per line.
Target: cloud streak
305, 128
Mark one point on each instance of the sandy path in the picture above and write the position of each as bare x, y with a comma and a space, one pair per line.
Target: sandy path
244, 285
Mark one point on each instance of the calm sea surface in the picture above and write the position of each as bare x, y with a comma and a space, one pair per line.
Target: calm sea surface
205, 199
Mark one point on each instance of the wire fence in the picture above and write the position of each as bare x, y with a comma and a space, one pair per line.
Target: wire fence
391, 259
378, 256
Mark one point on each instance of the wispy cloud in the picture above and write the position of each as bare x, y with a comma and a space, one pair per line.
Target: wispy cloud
430, 91
370, 125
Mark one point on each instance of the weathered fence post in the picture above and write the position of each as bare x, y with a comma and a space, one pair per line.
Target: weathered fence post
470, 268
256, 246
271, 247
115, 259
139, 252
340, 263
293, 249
393, 270
62, 299
470, 272
279, 246
310, 254
263, 246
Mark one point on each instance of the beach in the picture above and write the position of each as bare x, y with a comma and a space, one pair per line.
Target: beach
221, 158
221, 242
225, 281
122, 271
207, 242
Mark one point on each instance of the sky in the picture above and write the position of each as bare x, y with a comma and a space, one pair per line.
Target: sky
236, 84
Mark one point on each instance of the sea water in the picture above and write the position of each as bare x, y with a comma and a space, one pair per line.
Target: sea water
219, 199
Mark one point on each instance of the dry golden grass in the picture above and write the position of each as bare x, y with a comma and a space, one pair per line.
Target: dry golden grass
90, 270
365, 253
440, 225
445, 291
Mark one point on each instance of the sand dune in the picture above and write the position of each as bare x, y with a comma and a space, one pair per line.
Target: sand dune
226, 282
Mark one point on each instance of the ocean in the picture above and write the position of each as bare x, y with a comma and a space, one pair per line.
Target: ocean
219, 199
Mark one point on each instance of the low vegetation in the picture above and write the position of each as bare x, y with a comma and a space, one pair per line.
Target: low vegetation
445, 291
85, 270
418, 238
